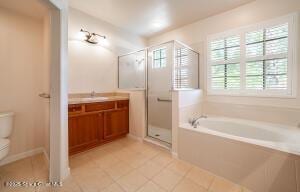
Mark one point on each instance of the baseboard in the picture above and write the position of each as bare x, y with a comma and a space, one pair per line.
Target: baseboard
16, 157
155, 142
135, 137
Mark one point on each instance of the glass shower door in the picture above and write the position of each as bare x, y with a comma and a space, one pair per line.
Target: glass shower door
159, 100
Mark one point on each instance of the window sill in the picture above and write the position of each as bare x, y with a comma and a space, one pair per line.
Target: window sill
258, 95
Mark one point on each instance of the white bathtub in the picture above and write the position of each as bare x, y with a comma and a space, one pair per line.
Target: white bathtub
278, 137
260, 156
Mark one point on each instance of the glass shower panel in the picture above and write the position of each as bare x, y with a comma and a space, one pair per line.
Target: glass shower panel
159, 101
132, 70
186, 71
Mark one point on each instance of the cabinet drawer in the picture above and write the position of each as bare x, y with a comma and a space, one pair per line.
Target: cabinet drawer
99, 106
123, 104
73, 109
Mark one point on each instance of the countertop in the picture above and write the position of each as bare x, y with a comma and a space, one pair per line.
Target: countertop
96, 99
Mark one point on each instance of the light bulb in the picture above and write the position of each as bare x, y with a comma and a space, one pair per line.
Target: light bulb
104, 42
81, 36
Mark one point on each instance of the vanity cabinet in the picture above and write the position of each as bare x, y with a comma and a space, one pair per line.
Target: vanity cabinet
93, 124
115, 123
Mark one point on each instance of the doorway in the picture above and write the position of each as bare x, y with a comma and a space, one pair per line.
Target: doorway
33, 54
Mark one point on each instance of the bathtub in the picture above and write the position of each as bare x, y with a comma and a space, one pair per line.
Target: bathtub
261, 156
278, 137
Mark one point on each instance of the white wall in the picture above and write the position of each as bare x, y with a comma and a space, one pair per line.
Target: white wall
274, 109
93, 67
22, 78
137, 113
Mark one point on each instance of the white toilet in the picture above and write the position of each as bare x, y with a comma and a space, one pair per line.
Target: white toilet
6, 125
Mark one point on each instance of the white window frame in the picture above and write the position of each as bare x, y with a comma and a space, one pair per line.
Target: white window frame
153, 58
292, 20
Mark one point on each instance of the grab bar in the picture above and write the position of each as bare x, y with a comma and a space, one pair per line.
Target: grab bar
164, 100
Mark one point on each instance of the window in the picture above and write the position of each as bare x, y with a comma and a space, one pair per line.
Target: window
185, 68
225, 69
257, 60
159, 59
267, 58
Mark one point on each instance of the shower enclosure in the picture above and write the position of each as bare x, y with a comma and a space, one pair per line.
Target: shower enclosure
169, 67
132, 70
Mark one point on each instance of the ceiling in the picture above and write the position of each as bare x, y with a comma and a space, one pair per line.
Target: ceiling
31, 8
151, 17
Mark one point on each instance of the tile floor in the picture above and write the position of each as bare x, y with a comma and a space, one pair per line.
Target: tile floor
125, 165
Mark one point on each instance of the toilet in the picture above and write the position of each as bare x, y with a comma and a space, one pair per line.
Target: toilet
6, 125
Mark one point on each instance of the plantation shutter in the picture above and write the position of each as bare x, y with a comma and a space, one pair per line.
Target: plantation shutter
186, 68
267, 58
225, 63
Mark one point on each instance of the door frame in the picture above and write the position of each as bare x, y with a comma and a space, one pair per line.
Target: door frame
59, 162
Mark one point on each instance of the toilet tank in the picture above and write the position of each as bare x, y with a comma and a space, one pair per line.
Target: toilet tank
6, 124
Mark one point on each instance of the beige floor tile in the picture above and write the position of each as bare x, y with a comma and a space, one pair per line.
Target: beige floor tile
28, 169
78, 160
113, 188
106, 161
40, 168
39, 162
179, 167
123, 154
18, 189
245, 190
221, 185
201, 177
112, 147
69, 185
150, 169
42, 176
23, 165
97, 153
142, 147
150, 152
132, 181
127, 142
150, 187
94, 183
110, 168
138, 147
117, 170
136, 160
163, 159
18, 176
167, 179
86, 170
187, 185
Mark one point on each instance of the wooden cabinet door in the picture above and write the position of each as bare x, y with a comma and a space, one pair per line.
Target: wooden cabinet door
85, 131
116, 123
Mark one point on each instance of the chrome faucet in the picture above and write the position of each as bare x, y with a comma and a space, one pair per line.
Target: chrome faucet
93, 94
194, 121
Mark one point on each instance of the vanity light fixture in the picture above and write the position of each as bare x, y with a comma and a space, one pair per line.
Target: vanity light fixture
92, 37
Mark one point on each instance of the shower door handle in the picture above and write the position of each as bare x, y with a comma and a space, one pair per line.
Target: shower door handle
164, 100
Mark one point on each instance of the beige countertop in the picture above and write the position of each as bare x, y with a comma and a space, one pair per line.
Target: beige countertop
100, 97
